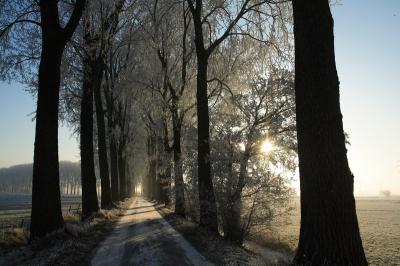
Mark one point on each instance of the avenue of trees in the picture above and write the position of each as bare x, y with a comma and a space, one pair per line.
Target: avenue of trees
208, 106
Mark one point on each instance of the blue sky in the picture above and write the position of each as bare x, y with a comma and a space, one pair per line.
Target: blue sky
367, 41
17, 131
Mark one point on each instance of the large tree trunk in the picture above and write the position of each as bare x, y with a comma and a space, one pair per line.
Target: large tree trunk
46, 203
98, 69
89, 195
113, 147
46, 213
208, 207
329, 232
90, 202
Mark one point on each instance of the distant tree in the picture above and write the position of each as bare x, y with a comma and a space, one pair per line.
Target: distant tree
329, 232
385, 193
70, 174
16, 179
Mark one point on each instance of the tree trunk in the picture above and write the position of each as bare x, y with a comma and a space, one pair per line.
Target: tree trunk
131, 180
114, 169
46, 203
146, 187
163, 161
152, 171
98, 69
152, 176
129, 189
163, 177
164, 183
121, 169
208, 207
113, 150
46, 213
89, 195
329, 232
179, 184
234, 227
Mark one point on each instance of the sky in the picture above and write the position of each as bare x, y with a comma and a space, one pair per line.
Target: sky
367, 41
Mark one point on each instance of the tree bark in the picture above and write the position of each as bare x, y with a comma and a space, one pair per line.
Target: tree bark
46, 213
152, 164
111, 115
98, 69
329, 232
89, 195
164, 184
164, 176
121, 171
129, 188
114, 169
208, 207
179, 184
234, 228
46, 203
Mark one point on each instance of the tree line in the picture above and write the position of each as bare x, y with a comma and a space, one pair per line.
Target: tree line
17, 179
181, 97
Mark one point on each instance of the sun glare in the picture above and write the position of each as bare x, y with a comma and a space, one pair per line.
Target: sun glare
267, 147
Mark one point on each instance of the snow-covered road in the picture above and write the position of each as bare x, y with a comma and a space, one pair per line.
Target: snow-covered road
143, 237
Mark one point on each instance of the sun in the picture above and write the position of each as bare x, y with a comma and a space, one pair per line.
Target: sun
267, 146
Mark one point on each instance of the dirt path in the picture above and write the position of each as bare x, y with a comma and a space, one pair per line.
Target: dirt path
143, 237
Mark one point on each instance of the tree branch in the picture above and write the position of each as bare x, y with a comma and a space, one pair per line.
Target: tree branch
2, 32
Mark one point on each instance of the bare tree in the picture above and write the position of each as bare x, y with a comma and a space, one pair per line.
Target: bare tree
214, 22
169, 29
385, 193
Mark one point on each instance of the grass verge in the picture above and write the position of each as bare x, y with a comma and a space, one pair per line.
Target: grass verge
75, 244
216, 248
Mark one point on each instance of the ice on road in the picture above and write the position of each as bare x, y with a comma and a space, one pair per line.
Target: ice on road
143, 237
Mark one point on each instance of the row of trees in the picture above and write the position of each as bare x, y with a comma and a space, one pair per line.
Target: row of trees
143, 81
17, 179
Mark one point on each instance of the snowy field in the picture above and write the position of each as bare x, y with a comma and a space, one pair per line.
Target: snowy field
379, 221
14, 208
